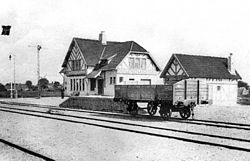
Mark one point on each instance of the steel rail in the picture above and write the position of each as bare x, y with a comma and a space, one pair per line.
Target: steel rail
130, 130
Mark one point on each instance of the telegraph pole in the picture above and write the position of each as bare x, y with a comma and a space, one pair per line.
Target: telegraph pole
38, 47
15, 88
11, 87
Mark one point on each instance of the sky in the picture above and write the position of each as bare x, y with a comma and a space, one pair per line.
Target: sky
163, 27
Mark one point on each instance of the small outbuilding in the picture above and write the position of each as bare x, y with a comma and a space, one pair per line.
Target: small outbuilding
206, 79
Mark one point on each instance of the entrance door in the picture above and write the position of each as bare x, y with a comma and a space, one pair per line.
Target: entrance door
100, 86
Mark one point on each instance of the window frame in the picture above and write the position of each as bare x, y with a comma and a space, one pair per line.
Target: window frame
131, 62
137, 63
143, 64
120, 79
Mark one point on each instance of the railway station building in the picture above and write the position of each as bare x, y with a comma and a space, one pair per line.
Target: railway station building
93, 67
206, 79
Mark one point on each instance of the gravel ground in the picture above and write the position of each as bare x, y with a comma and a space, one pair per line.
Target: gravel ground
68, 141
8, 153
54, 101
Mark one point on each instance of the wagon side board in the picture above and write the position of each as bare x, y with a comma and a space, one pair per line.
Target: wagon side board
144, 93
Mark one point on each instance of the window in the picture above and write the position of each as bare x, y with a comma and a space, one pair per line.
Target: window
77, 85
92, 84
218, 88
82, 84
131, 79
146, 81
71, 84
120, 79
74, 84
131, 63
110, 80
76, 64
143, 63
137, 63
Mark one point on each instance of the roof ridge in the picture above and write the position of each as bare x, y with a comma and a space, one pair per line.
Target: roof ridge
96, 40
199, 55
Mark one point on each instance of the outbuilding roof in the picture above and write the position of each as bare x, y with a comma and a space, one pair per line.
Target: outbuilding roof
197, 66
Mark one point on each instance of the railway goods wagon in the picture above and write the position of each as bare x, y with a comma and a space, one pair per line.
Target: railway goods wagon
156, 96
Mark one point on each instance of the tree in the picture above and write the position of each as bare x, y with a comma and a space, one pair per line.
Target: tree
43, 83
28, 83
2, 87
243, 84
56, 85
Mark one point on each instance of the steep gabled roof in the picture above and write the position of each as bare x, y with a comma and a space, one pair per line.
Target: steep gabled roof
93, 52
197, 66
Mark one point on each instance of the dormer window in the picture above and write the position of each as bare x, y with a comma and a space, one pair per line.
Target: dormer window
76, 65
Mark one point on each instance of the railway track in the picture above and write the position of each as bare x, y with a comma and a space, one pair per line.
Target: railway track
221, 124
25, 150
233, 143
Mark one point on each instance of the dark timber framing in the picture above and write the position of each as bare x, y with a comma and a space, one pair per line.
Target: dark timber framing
185, 89
198, 91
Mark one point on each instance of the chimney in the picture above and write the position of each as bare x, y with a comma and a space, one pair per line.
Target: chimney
102, 38
230, 64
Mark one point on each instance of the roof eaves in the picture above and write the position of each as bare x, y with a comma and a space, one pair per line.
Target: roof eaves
67, 57
154, 62
166, 67
175, 55
122, 59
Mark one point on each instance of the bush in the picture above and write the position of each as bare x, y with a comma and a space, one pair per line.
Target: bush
5, 94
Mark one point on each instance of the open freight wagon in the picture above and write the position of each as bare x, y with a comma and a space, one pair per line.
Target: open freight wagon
168, 98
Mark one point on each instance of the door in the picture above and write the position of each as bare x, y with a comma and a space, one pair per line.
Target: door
100, 86
221, 94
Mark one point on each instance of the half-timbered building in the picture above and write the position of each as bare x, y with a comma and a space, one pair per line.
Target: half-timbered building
93, 67
203, 78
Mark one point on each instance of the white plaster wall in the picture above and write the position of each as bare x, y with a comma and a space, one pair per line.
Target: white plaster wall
109, 88
155, 79
123, 70
123, 67
227, 95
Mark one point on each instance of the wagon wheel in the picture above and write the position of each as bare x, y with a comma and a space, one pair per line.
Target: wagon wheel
134, 109
165, 112
152, 108
185, 113
129, 108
